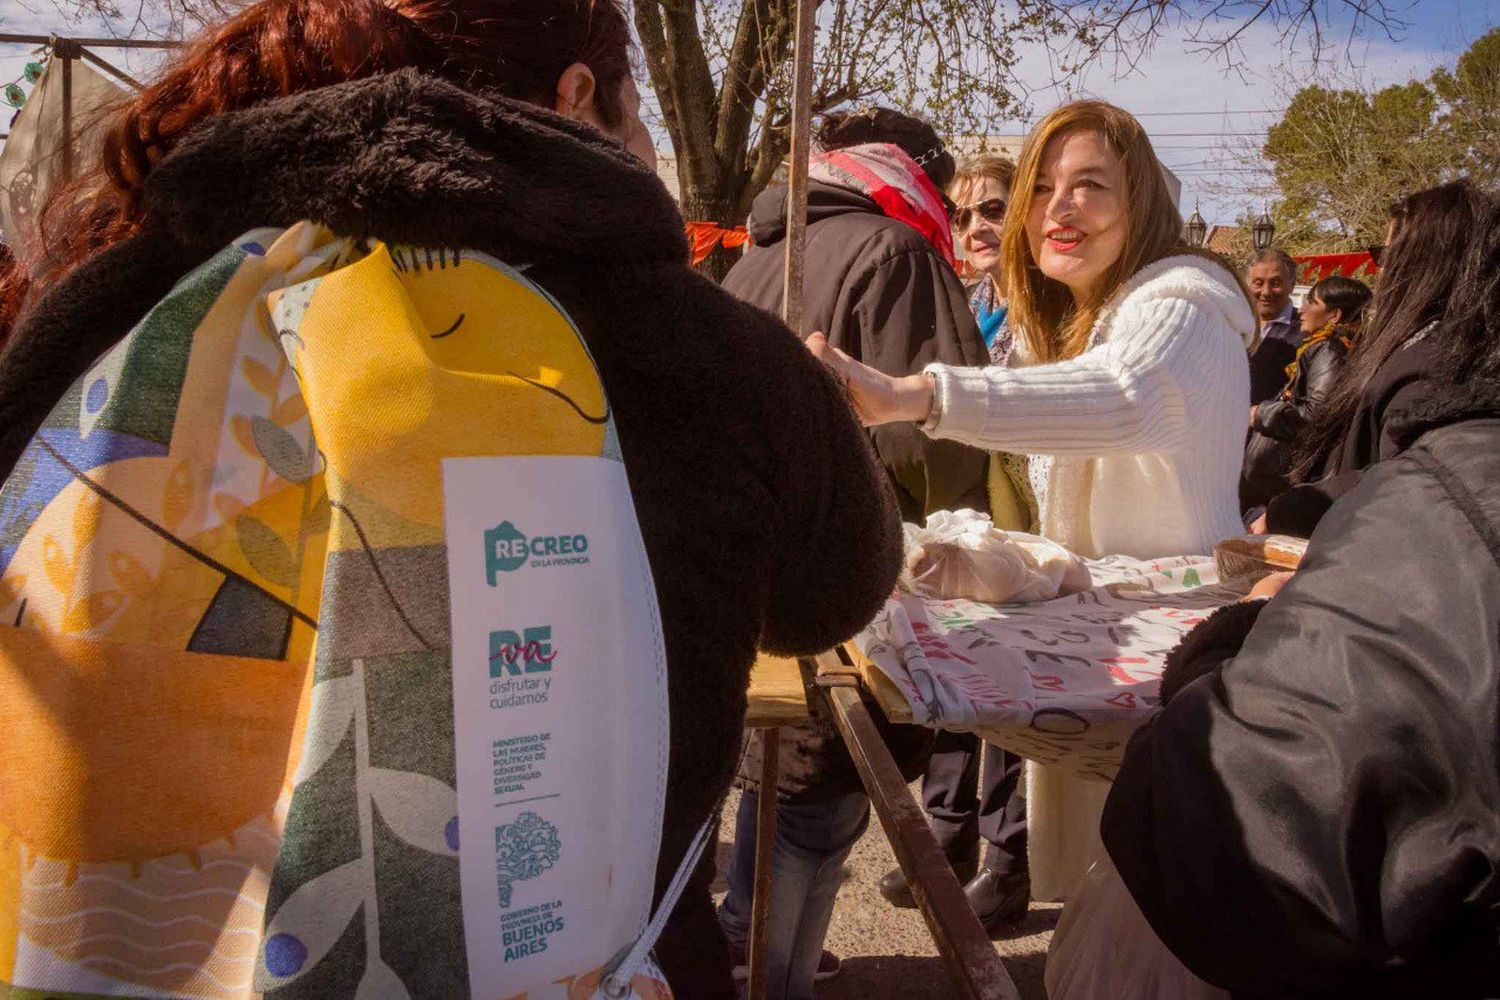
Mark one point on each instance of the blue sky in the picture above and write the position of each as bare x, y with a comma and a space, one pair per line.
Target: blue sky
1201, 116
1216, 150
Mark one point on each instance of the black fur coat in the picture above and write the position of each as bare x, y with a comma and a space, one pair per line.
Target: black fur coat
767, 522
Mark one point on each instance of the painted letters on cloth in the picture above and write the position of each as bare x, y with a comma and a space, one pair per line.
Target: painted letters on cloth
1062, 682
229, 764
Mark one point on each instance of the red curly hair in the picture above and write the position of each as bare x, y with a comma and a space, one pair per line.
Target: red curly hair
274, 48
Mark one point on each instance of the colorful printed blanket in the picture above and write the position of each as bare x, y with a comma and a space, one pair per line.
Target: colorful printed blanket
1063, 682
293, 654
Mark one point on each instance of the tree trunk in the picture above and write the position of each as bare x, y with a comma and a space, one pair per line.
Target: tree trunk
717, 208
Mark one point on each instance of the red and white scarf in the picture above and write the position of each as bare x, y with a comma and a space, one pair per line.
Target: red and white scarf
889, 177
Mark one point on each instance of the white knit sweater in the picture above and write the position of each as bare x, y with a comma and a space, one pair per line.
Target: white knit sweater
1146, 427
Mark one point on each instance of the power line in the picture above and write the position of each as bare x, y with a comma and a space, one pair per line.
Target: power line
1201, 114
1206, 135
1201, 163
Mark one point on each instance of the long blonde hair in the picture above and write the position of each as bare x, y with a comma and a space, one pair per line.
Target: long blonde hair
1056, 326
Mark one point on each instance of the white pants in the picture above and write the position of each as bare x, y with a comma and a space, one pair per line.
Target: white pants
1062, 819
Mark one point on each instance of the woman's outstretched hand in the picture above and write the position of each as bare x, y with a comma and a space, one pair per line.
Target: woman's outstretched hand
1269, 586
877, 398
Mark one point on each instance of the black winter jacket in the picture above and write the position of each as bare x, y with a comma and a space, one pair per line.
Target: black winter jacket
1378, 431
1268, 365
882, 294
766, 520
1316, 812
1278, 422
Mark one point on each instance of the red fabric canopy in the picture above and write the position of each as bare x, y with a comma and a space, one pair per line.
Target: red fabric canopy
1316, 267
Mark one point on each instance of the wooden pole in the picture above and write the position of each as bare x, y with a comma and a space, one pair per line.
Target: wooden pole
791, 314
110, 68
765, 849
796, 201
973, 964
63, 52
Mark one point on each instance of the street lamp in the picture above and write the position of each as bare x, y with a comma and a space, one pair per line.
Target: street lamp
1264, 231
1196, 229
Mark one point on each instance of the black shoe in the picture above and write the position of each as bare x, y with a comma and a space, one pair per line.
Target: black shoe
1000, 901
894, 888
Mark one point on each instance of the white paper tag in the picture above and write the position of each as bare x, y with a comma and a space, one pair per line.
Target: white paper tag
560, 716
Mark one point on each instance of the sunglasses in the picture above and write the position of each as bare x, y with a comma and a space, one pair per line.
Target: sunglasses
990, 210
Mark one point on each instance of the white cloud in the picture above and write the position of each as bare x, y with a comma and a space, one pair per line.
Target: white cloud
1211, 151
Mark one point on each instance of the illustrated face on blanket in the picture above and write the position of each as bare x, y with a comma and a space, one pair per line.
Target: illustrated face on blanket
225, 627
500, 362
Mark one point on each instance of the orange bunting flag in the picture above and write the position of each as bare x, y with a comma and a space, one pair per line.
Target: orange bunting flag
705, 237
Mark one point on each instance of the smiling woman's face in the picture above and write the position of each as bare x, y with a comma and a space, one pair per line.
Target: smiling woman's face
1077, 222
980, 237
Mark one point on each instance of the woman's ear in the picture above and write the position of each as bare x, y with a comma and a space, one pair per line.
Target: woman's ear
575, 94
1336, 316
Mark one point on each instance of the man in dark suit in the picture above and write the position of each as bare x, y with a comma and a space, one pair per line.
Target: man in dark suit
1271, 276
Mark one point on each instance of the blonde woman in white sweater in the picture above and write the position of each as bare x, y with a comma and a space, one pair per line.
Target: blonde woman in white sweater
1128, 389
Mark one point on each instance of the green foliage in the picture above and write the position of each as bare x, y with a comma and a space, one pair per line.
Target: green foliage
1472, 119
1342, 156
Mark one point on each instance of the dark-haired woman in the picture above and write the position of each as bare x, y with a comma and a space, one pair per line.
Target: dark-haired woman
1315, 813
279, 817
1387, 373
1330, 319
880, 280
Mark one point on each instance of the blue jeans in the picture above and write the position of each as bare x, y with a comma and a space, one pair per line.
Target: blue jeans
812, 841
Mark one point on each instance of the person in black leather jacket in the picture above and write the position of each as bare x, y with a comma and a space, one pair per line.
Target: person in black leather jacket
1330, 319
1315, 812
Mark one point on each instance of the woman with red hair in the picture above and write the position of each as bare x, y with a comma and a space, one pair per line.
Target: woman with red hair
179, 668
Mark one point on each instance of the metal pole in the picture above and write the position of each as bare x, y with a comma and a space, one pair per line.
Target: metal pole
98, 43
796, 201
108, 68
765, 849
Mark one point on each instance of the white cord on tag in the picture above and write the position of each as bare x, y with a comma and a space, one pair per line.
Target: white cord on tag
617, 984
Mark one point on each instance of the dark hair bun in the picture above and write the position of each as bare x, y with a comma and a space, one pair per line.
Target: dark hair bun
916, 138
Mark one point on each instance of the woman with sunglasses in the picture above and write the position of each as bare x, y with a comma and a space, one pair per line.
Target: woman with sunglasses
979, 192
962, 812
